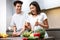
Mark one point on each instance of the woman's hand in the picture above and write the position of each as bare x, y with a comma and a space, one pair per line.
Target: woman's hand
37, 23
27, 25
44, 25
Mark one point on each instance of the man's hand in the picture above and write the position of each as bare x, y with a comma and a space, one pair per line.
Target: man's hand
15, 34
18, 33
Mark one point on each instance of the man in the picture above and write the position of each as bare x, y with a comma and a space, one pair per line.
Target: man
18, 19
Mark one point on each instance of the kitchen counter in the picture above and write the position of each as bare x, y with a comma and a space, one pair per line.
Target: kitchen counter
11, 38
53, 29
55, 32
14, 38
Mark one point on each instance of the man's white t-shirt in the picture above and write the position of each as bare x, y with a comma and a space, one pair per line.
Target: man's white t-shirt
18, 20
32, 20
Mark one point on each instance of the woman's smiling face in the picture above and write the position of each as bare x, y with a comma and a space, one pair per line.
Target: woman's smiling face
33, 9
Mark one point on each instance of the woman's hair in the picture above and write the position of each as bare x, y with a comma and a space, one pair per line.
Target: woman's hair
37, 7
15, 2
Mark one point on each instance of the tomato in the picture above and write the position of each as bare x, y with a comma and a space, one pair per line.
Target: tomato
25, 38
36, 34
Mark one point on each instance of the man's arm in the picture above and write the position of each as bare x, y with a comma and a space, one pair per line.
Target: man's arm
19, 33
14, 28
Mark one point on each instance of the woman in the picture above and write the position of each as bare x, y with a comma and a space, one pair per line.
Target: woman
37, 18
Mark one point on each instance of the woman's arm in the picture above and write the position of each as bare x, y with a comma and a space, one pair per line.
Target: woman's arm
45, 24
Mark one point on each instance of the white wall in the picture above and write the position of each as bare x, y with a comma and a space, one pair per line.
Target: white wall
25, 6
2, 16
51, 4
9, 11
44, 4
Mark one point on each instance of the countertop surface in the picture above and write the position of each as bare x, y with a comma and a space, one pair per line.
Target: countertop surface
12, 38
53, 29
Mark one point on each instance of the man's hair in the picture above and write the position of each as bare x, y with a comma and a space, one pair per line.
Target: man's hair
15, 2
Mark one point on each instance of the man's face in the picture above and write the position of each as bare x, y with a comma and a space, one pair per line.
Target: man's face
18, 7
